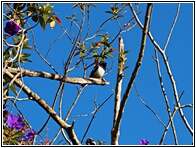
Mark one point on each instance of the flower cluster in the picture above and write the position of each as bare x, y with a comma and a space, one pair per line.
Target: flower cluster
15, 125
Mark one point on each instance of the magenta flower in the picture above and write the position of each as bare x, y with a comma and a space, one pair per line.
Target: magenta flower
11, 28
30, 135
15, 122
144, 142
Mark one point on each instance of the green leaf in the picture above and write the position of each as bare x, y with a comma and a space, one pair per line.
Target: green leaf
35, 18
14, 142
26, 55
127, 51
6, 56
15, 41
94, 5
81, 54
125, 67
42, 22
110, 12
95, 54
26, 46
16, 134
118, 10
13, 51
48, 7
12, 88
99, 142
19, 6
103, 39
24, 58
120, 59
32, 9
41, 7
109, 55
14, 65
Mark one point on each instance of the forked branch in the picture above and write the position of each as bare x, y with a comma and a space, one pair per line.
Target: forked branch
69, 128
116, 129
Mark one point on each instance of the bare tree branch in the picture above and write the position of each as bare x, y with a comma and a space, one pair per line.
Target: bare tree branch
73, 80
69, 129
169, 122
165, 97
136, 69
42, 57
115, 132
162, 52
173, 25
148, 106
95, 112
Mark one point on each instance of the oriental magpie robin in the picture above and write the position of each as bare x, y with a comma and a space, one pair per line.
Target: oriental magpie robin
99, 70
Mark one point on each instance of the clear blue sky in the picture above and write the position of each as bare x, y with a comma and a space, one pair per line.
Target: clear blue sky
138, 122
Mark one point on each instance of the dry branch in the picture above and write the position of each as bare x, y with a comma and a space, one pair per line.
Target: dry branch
135, 71
162, 52
69, 129
115, 132
72, 80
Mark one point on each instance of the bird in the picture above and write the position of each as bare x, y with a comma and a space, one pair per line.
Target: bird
99, 70
90, 141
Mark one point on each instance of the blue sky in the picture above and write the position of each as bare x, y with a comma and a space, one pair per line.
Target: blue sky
138, 122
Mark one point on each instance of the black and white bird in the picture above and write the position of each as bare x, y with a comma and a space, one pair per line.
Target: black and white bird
99, 70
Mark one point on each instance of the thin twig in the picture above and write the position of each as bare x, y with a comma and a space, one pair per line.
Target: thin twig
96, 110
148, 106
169, 122
74, 102
168, 71
53, 43
35, 48
67, 116
165, 96
173, 25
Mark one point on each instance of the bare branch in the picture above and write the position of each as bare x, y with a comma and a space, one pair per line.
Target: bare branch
148, 106
72, 80
173, 25
136, 69
168, 71
115, 132
42, 57
96, 110
165, 96
69, 129
75, 101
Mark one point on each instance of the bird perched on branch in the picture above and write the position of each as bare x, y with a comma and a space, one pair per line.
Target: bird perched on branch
99, 70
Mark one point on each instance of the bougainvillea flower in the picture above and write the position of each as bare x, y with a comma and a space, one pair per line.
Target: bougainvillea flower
11, 28
15, 122
144, 142
30, 135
